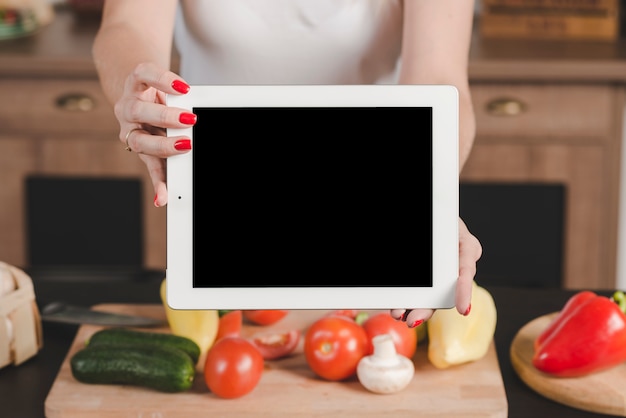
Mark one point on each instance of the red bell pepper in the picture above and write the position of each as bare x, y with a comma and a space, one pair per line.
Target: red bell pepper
570, 306
588, 335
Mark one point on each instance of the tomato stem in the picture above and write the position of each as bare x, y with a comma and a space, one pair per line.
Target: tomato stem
361, 317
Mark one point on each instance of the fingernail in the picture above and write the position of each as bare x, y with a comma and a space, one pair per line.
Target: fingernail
156, 197
183, 144
180, 86
467, 311
187, 118
416, 323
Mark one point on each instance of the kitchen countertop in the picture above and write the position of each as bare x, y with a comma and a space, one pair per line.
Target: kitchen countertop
24, 388
546, 61
63, 48
60, 49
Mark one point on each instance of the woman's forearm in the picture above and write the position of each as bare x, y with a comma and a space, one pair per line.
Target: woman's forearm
467, 126
131, 32
435, 50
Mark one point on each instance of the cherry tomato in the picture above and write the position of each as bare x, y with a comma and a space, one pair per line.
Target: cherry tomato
333, 346
230, 325
233, 367
404, 338
264, 317
274, 345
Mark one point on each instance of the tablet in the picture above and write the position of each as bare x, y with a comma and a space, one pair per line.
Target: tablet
314, 197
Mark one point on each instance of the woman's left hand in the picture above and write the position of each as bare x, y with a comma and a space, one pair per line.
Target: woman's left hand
470, 251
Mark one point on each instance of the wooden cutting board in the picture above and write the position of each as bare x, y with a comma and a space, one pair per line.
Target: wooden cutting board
287, 388
603, 392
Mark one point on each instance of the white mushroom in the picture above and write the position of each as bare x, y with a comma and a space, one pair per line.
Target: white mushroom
385, 371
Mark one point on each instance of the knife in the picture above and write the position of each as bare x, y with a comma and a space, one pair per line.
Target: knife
68, 314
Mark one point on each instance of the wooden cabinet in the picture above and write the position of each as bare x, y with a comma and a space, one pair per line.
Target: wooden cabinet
63, 127
55, 120
564, 133
553, 112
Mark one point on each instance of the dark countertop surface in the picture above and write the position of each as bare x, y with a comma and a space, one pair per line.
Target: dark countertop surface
24, 388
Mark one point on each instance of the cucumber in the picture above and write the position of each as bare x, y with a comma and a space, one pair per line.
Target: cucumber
158, 367
129, 336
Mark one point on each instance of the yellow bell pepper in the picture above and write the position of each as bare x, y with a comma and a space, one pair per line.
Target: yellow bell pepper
456, 339
198, 325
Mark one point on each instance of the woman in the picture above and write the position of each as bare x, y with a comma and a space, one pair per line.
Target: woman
279, 42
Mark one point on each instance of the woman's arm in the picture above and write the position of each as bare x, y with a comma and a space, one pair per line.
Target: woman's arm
132, 53
132, 32
435, 50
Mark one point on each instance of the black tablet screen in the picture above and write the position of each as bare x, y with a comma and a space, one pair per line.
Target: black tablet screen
312, 197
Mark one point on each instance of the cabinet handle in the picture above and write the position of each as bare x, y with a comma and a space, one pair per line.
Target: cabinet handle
506, 107
75, 102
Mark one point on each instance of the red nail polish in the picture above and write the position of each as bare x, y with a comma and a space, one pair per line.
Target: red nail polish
417, 323
156, 196
182, 144
187, 118
180, 86
467, 312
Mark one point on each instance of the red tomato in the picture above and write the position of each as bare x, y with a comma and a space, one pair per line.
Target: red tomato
333, 346
230, 325
233, 367
264, 317
350, 313
276, 345
404, 338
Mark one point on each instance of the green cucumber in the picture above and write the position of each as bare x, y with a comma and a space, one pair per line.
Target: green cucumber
158, 367
129, 336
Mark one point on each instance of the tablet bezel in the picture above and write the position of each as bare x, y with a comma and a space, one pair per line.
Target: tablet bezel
443, 99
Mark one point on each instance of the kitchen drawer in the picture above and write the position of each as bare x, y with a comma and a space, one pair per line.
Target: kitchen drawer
55, 106
538, 112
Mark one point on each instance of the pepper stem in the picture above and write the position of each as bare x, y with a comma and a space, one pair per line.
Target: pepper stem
620, 298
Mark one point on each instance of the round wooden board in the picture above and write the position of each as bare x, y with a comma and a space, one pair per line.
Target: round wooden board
603, 392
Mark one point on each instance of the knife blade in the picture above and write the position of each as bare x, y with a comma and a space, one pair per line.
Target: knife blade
69, 314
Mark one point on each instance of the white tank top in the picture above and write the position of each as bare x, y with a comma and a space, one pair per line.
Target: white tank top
289, 41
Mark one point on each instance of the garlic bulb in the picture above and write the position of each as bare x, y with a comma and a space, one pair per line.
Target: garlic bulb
7, 283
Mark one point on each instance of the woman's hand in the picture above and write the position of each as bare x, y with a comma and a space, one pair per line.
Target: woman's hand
144, 118
470, 251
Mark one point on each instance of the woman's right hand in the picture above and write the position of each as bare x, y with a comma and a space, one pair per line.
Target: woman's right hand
144, 117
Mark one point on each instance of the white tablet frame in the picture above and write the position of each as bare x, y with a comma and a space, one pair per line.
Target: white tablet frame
444, 101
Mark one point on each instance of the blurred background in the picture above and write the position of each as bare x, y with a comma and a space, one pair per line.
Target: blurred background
542, 189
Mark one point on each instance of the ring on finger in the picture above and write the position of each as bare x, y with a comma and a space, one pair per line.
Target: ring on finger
128, 148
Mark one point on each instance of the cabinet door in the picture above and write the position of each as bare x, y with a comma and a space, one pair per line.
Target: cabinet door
581, 169
17, 158
105, 156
